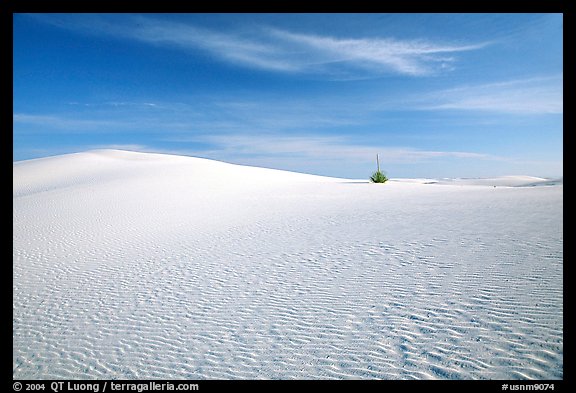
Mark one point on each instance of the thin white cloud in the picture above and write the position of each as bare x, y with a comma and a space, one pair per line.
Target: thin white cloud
280, 50
526, 96
116, 104
63, 123
129, 146
228, 46
130, 121
411, 57
321, 148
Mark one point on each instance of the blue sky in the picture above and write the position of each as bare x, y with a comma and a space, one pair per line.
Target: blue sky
436, 95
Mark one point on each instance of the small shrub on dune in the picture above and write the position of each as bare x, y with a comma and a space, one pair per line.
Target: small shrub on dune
378, 177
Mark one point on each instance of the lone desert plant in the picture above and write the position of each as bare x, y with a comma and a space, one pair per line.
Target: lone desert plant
378, 176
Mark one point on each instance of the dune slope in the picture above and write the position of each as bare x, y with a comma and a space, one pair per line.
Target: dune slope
132, 265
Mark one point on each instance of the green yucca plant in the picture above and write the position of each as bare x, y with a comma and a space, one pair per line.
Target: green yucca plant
378, 177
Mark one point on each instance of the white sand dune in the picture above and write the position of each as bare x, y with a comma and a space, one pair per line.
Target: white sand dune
503, 181
131, 265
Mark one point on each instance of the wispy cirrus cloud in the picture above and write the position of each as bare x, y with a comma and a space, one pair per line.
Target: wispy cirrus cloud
102, 123
409, 57
115, 104
63, 123
277, 50
317, 147
525, 96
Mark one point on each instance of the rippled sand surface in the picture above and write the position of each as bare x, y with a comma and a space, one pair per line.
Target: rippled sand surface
145, 266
